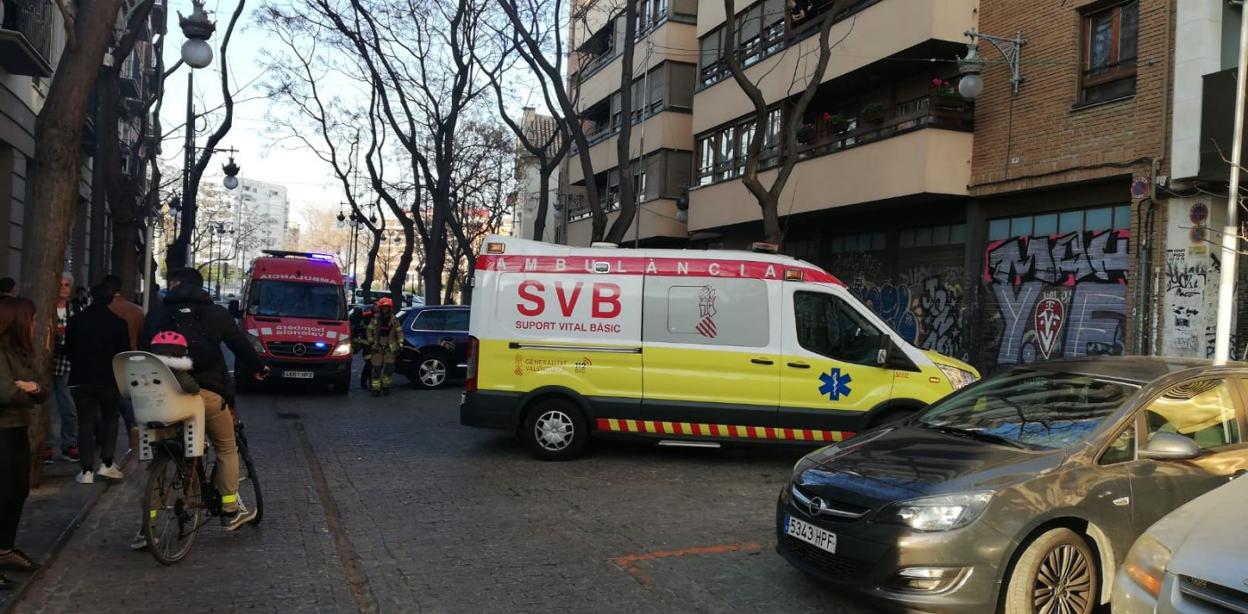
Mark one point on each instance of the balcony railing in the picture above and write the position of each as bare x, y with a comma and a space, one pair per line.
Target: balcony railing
936, 111
26, 37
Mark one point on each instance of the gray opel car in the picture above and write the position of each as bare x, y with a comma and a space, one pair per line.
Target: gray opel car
1021, 493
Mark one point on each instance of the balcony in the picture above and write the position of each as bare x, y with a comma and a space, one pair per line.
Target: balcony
130, 76
26, 37
671, 131
1217, 121
892, 32
659, 225
909, 156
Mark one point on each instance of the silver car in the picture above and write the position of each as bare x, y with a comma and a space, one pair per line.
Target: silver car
1193, 560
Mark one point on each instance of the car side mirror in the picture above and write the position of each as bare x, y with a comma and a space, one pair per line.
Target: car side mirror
235, 310
1170, 446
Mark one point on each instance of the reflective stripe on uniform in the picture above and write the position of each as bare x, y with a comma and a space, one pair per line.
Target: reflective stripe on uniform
229, 498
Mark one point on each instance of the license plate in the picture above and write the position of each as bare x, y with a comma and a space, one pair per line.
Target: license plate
809, 533
297, 374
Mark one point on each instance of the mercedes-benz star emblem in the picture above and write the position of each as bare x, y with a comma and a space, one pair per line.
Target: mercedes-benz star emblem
816, 506
299, 349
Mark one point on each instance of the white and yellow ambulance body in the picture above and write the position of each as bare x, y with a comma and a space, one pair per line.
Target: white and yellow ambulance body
682, 346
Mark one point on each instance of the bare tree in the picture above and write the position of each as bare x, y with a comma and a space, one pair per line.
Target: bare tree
539, 26
547, 147
126, 201
628, 193
768, 197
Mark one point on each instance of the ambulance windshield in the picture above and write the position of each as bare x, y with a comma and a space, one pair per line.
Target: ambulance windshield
296, 300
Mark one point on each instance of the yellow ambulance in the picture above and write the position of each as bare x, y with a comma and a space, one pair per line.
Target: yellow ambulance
682, 347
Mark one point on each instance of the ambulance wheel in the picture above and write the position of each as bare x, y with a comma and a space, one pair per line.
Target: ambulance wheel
555, 430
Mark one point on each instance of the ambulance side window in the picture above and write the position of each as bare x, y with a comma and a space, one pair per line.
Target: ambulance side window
827, 326
714, 311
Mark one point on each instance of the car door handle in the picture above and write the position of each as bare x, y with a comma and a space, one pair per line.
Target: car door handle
799, 365
1122, 501
762, 361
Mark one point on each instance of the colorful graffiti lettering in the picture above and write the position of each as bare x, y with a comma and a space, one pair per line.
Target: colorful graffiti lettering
925, 305
1060, 296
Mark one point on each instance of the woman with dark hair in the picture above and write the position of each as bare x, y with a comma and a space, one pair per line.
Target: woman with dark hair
18, 395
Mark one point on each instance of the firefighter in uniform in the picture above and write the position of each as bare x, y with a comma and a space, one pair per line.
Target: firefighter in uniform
384, 337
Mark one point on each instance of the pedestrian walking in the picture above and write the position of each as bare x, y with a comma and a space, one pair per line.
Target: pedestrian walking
92, 339
384, 339
132, 313
62, 400
19, 392
8, 287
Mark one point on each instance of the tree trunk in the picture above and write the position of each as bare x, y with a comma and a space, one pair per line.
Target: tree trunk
543, 204
55, 173
628, 195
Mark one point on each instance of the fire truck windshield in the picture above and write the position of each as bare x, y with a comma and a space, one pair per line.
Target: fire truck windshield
296, 300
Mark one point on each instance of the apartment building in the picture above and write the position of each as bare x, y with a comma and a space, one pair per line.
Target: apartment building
878, 194
32, 36
267, 207
661, 143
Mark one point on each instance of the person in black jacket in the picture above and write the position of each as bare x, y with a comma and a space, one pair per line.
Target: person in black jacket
189, 310
92, 338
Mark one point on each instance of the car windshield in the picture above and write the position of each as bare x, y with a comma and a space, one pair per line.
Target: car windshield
1029, 408
296, 300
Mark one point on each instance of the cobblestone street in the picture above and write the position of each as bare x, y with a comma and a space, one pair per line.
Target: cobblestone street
389, 505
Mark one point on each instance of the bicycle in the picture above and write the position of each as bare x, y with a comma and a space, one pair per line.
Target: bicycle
174, 503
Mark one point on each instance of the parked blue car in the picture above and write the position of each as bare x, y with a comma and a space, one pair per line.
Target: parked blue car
435, 344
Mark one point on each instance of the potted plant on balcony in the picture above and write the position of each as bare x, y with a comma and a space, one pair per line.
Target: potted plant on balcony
944, 96
806, 133
835, 122
873, 112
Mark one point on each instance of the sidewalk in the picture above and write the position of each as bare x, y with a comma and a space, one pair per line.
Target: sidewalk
52, 513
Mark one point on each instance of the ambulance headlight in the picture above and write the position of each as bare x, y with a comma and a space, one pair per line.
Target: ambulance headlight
343, 349
958, 378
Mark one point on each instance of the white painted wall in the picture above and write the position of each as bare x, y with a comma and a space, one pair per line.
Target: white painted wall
1197, 52
1189, 280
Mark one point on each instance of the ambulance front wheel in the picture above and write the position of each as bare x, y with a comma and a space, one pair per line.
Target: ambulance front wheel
555, 430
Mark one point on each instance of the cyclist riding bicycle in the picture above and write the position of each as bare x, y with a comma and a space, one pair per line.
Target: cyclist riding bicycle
189, 310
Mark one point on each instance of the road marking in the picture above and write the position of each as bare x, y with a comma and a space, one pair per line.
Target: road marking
360, 589
629, 562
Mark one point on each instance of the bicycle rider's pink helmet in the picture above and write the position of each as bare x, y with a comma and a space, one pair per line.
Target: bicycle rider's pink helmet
169, 337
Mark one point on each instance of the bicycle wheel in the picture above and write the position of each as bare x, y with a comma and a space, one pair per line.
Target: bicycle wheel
248, 480
173, 508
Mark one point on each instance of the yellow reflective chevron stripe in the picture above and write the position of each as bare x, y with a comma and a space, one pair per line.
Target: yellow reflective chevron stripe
719, 431
151, 513
229, 498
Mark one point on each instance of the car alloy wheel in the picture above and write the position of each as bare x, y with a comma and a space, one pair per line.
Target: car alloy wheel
432, 372
554, 430
1063, 582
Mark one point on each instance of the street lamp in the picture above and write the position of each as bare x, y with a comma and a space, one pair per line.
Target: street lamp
971, 67
197, 53
231, 174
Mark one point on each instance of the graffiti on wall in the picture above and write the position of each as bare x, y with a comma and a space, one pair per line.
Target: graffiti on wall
1186, 284
926, 305
1056, 296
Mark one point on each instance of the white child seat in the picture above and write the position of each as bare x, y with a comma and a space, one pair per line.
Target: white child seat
158, 399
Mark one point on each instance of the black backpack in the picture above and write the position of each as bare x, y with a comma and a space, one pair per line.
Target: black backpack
204, 351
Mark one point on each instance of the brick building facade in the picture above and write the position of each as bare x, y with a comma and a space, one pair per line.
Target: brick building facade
1054, 227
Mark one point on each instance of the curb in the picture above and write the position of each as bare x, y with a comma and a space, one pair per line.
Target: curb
19, 595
